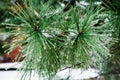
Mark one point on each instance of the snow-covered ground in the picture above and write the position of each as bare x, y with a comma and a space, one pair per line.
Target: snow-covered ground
72, 74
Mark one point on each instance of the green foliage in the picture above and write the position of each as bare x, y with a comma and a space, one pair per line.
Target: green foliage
112, 4
50, 44
52, 38
3, 10
113, 17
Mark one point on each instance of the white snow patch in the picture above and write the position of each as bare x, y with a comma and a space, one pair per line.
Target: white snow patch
11, 65
16, 75
77, 74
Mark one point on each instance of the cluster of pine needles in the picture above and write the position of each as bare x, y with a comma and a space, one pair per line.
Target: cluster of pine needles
55, 38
